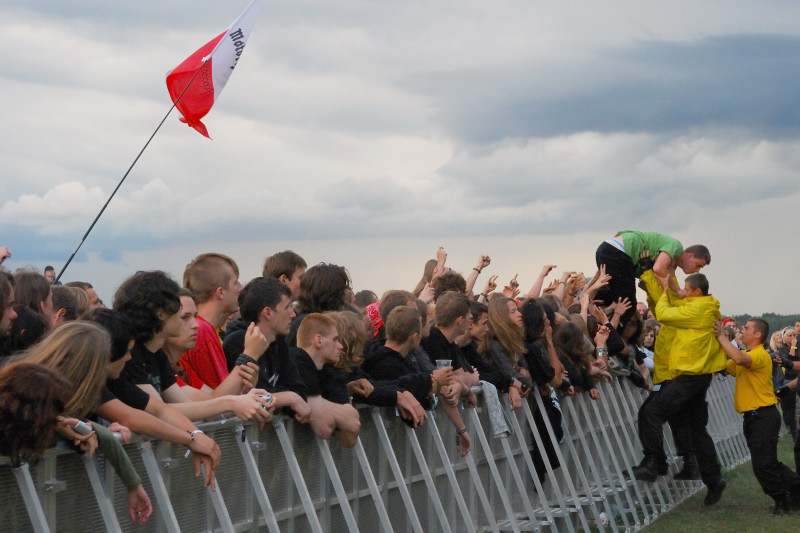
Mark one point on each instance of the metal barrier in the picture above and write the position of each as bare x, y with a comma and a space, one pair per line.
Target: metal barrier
284, 479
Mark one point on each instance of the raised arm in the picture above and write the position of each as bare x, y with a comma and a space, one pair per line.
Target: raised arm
483, 262
739, 357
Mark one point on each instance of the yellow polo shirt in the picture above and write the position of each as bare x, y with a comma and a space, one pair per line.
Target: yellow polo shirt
754, 384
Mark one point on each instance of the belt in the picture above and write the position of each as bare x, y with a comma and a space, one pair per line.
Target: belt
755, 411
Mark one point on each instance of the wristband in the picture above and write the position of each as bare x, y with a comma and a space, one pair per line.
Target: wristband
793, 348
476, 269
191, 434
601, 351
243, 359
486, 296
461, 431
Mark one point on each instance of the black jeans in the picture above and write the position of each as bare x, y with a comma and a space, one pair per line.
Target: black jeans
761, 428
681, 435
623, 278
682, 401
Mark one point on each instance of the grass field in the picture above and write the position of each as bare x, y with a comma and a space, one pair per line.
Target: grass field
743, 508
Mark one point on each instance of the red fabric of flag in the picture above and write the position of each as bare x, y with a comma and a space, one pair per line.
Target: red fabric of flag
206, 71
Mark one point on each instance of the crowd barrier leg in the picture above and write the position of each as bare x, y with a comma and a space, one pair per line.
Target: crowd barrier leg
571, 502
499, 486
544, 509
165, 511
451, 475
336, 481
386, 444
631, 440
297, 476
374, 491
517, 476
256, 482
22, 474
477, 485
585, 498
564, 509
596, 492
411, 435
662, 491
103, 501
612, 470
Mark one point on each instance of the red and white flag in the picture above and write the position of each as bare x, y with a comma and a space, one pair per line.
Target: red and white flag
215, 62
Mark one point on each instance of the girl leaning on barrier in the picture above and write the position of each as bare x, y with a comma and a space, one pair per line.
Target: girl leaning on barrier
81, 353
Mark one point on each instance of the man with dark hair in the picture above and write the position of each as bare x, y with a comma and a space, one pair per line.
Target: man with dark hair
50, 275
449, 281
65, 305
7, 312
324, 287
753, 397
94, 300
625, 255
264, 304
213, 279
694, 358
287, 267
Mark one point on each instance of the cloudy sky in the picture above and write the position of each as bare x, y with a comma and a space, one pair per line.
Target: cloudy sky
369, 133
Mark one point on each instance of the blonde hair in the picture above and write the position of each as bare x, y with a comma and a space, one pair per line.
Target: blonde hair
427, 274
508, 333
79, 352
352, 336
84, 302
206, 273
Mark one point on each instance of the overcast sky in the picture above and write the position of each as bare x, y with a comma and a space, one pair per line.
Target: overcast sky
367, 133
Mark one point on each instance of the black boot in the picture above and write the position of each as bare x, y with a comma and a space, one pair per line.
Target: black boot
781, 505
649, 470
690, 469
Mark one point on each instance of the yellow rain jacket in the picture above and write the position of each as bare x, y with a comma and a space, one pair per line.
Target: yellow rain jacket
666, 333
695, 350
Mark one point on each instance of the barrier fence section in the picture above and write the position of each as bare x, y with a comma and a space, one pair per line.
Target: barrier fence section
284, 479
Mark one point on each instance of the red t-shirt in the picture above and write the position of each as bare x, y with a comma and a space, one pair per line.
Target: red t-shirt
205, 363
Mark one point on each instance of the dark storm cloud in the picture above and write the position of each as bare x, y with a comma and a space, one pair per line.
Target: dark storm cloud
747, 81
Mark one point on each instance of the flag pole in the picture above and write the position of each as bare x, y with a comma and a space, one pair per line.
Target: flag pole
205, 60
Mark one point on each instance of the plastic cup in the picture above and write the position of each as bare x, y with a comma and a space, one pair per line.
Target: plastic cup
443, 363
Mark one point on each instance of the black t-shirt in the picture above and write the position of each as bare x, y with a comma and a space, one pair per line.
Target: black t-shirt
494, 375
307, 370
144, 368
438, 347
277, 371
385, 364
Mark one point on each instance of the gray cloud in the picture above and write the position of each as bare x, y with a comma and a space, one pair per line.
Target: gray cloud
745, 81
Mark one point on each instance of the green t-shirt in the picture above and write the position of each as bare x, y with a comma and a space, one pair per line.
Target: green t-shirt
636, 242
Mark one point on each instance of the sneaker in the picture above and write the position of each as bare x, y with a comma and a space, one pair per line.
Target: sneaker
715, 493
690, 469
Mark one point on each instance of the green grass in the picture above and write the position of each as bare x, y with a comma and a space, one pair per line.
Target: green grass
743, 508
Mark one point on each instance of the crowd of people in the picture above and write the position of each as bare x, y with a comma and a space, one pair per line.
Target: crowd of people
300, 341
